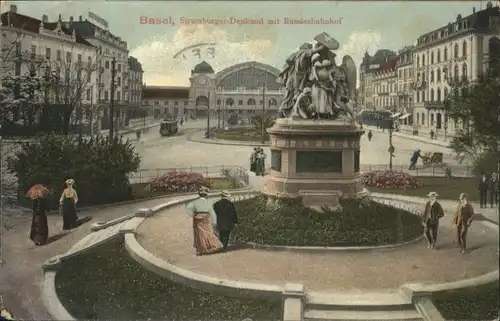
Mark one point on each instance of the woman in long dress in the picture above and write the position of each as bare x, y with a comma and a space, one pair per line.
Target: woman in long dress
205, 240
68, 201
39, 227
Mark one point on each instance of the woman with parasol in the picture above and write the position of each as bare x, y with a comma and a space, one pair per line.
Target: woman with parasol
68, 201
39, 227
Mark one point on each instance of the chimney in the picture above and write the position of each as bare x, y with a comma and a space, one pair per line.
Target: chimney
13, 8
45, 18
71, 19
473, 10
80, 18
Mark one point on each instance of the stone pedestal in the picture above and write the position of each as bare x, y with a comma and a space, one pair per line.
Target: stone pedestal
317, 160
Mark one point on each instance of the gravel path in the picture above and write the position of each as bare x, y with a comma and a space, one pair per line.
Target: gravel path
21, 272
168, 236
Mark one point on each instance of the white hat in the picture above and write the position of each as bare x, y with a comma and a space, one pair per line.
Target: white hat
70, 181
433, 194
225, 193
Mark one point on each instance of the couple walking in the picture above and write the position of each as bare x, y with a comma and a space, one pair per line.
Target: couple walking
212, 224
39, 232
258, 161
433, 212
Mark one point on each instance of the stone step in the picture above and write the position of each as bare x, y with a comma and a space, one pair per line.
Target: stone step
334, 315
363, 301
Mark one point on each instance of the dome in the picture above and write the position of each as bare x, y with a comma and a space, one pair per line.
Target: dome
203, 68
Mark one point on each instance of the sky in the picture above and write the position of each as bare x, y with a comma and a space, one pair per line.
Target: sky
358, 26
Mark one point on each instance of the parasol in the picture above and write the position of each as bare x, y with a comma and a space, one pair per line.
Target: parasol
37, 191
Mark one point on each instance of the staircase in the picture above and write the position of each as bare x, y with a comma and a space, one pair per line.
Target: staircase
96, 238
390, 306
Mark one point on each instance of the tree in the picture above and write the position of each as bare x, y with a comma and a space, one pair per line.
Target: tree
259, 123
477, 106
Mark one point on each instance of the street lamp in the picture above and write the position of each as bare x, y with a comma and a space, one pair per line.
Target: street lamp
262, 127
391, 147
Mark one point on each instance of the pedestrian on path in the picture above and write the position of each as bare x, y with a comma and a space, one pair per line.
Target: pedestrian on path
261, 162
39, 231
462, 221
253, 160
432, 134
67, 202
205, 241
483, 189
138, 134
413, 160
370, 135
433, 212
493, 189
226, 217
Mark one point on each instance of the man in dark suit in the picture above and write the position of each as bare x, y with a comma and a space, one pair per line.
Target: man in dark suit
483, 189
226, 217
493, 189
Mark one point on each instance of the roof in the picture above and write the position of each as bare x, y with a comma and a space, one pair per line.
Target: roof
165, 92
31, 24
203, 68
387, 66
134, 64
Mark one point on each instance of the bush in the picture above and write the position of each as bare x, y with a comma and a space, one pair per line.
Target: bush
288, 222
100, 169
486, 163
390, 179
178, 182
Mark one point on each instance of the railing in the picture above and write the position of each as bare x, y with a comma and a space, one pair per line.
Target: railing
237, 174
424, 170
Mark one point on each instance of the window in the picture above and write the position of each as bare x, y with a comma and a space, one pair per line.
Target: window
445, 93
47, 53
432, 57
33, 51
185, 103
32, 69
423, 119
464, 49
88, 94
464, 71
432, 119
118, 81
456, 72
240, 102
418, 118
157, 102
165, 102
423, 96
439, 56
438, 75
438, 94
455, 52
58, 55
432, 75
418, 61
106, 65
445, 54
423, 60
119, 67
106, 95
176, 103
118, 95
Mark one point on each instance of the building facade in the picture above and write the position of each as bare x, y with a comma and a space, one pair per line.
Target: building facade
447, 57
385, 86
54, 50
134, 81
405, 85
244, 89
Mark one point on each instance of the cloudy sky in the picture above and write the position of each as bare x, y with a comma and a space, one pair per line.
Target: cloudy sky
365, 26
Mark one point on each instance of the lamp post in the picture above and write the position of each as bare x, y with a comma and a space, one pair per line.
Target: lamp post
391, 147
208, 117
262, 127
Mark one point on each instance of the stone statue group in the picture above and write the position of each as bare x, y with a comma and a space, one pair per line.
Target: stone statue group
315, 87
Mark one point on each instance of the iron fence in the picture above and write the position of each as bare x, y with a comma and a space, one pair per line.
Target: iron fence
424, 170
235, 173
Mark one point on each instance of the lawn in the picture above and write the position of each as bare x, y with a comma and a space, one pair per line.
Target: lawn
106, 284
139, 189
477, 304
288, 222
242, 134
446, 188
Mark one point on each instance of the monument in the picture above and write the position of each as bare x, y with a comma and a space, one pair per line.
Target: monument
315, 149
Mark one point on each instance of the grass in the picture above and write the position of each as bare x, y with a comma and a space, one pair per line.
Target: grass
106, 284
446, 188
139, 189
475, 304
288, 222
243, 135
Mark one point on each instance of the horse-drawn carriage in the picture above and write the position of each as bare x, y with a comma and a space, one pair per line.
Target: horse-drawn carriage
432, 158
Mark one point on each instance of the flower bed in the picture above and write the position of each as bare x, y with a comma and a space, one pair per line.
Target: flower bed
390, 180
178, 182
106, 284
290, 223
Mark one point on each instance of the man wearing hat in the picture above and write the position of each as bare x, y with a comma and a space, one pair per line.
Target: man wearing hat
432, 213
462, 221
226, 217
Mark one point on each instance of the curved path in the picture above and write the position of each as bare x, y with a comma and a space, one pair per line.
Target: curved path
168, 236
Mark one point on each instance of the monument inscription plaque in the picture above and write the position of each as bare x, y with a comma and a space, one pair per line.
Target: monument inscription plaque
276, 160
319, 161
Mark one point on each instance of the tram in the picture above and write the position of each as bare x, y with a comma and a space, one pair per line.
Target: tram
169, 126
